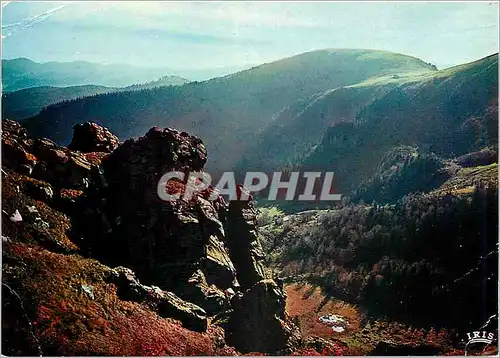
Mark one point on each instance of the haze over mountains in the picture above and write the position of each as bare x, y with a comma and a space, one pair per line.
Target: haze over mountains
23, 73
321, 109
29, 86
230, 109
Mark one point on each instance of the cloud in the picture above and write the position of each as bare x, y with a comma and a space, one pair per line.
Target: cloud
29, 22
235, 13
233, 33
202, 18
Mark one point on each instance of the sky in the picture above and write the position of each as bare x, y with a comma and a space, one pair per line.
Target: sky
200, 35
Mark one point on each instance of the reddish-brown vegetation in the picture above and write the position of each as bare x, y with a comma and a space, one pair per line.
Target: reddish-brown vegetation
308, 303
95, 158
70, 193
41, 223
75, 312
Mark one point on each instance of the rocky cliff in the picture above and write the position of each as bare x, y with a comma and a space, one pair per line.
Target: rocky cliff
95, 263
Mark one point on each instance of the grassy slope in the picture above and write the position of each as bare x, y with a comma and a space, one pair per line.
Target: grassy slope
451, 112
399, 104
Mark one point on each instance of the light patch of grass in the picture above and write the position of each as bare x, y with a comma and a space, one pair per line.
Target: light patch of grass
465, 181
267, 214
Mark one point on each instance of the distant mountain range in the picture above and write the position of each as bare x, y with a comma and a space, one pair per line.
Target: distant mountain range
326, 109
21, 73
29, 102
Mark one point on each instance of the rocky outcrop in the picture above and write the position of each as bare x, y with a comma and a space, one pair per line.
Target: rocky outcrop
259, 322
196, 261
91, 137
166, 243
166, 303
44, 160
244, 246
213, 300
15, 147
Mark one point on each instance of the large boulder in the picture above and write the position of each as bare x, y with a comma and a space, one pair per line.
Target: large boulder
91, 137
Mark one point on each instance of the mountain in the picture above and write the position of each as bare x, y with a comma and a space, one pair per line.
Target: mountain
203, 74
336, 110
29, 102
349, 129
23, 73
161, 82
230, 112
406, 264
450, 113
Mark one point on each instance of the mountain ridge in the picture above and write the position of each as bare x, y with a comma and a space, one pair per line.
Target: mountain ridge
21, 73
28, 102
292, 113
228, 111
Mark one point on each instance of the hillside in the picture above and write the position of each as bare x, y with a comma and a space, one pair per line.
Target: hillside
347, 130
29, 102
22, 73
228, 112
436, 246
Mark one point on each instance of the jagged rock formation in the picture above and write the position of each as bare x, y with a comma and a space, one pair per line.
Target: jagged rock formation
166, 303
197, 261
259, 321
245, 249
171, 244
42, 159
